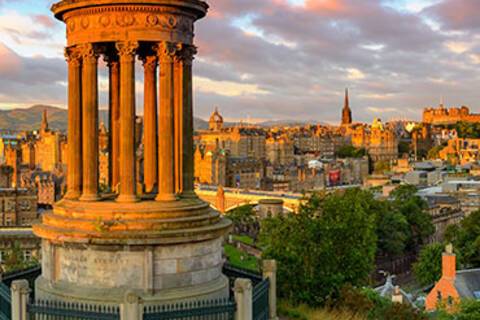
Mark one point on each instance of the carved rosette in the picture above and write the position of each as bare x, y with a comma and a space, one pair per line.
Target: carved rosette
73, 55
127, 50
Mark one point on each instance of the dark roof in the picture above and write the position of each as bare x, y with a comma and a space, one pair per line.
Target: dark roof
467, 282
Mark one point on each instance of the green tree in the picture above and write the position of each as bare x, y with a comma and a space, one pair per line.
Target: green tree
349, 151
428, 268
466, 239
244, 220
468, 130
392, 229
381, 166
330, 242
414, 209
15, 259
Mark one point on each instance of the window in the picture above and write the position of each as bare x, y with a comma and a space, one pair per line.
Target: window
450, 300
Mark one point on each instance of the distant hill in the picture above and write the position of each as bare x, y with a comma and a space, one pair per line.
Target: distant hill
30, 119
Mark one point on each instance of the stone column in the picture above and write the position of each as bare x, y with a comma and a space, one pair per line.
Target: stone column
150, 166
20, 292
270, 273
185, 121
166, 171
131, 308
178, 120
128, 184
114, 116
74, 157
90, 123
243, 297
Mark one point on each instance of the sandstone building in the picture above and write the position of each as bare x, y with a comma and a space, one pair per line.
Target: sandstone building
239, 141
18, 207
444, 116
379, 140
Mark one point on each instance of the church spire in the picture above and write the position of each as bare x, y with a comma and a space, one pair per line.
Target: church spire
347, 102
44, 125
346, 112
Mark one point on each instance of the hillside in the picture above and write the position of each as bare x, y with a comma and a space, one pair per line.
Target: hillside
30, 118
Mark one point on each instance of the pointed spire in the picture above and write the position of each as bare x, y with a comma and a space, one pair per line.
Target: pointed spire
347, 102
346, 112
44, 125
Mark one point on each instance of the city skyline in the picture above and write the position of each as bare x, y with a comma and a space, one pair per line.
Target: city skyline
272, 67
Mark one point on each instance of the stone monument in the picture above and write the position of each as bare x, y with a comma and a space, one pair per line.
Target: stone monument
159, 240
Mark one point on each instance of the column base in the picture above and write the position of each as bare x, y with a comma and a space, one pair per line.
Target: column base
73, 195
89, 197
189, 195
127, 198
67, 292
166, 197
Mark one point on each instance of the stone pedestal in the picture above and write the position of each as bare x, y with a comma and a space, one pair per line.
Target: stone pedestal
163, 252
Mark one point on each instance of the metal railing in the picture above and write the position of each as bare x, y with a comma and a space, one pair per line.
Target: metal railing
233, 273
59, 310
29, 274
260, 300
221, 309
5, 302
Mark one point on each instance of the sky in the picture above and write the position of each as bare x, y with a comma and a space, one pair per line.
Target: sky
283, 59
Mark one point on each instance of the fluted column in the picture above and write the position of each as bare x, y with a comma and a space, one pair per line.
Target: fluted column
166, 171
90, 123
114, 117
74, 156
150, 166
187, 148
178, 120
128, 187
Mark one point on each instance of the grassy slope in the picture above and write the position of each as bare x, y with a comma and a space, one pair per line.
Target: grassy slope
235, 258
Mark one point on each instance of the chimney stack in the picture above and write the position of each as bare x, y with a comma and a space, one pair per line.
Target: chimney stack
449, 265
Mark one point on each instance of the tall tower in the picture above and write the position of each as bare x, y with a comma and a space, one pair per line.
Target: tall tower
159, 240
44, 125
346, 112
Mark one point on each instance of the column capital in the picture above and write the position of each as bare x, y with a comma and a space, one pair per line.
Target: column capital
127, 49
166, 51
149, 62
186, 53
88, 53
73, 55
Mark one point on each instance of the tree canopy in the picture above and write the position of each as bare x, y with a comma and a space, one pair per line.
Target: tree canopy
428, 268
332, 241
465, 238
349, 151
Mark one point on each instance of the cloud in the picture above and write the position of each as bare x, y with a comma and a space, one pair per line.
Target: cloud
283, 59
30, 80
457, 14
